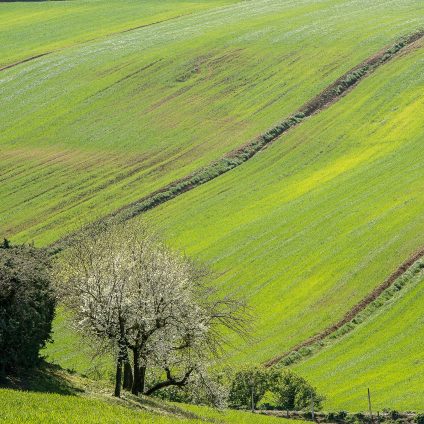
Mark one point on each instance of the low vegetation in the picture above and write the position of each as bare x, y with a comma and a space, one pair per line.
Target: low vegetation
273, 389
382, 353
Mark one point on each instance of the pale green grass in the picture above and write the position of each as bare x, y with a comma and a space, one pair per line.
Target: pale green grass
75, 353
24, 407
384, 354
31, 28
96, 126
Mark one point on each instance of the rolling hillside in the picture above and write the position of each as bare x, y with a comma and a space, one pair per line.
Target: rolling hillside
31, 29
96, 126
310, 226
383, 353
303, 230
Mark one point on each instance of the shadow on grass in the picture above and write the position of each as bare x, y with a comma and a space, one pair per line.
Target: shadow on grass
47, 378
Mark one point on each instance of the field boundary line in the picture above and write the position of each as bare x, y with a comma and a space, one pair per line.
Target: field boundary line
330, 95
355, 310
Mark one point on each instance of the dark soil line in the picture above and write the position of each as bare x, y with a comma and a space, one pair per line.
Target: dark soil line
12, 65
352, 313
28, 59
237, 157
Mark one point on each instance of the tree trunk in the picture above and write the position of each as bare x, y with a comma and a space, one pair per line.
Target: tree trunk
136, 382
128, 376
118, 377
142, 376
170, 381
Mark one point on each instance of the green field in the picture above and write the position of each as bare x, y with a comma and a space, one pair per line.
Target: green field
93, 127
384, 354
24, 407
304, 230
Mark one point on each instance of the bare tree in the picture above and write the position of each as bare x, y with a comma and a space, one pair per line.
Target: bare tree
133, 294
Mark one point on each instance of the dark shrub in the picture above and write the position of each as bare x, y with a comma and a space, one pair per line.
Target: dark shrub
394, 415
293, 393
419, 419
337, 417
26, 306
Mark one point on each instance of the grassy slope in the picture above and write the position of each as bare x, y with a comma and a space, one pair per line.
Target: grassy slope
26, 407
315, 222
32, 28
74, 353
384, 353
129, 113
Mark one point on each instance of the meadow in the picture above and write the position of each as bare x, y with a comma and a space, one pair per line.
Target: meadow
93, 127
302, 231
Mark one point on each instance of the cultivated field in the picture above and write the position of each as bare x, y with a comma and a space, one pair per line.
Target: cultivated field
93, 127
33, 28
311, 225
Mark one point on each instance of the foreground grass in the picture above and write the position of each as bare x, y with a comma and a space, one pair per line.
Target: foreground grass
29, 407
89, 129
383, 354
25, 407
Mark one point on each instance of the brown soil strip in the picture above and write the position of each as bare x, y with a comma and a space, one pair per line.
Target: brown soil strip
352, 313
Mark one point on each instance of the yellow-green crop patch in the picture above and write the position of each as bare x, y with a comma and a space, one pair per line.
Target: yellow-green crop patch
93, 127
383, 354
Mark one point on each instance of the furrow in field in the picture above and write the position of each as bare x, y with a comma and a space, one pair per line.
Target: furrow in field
355, 310
31, 58
237, 157
28, 59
